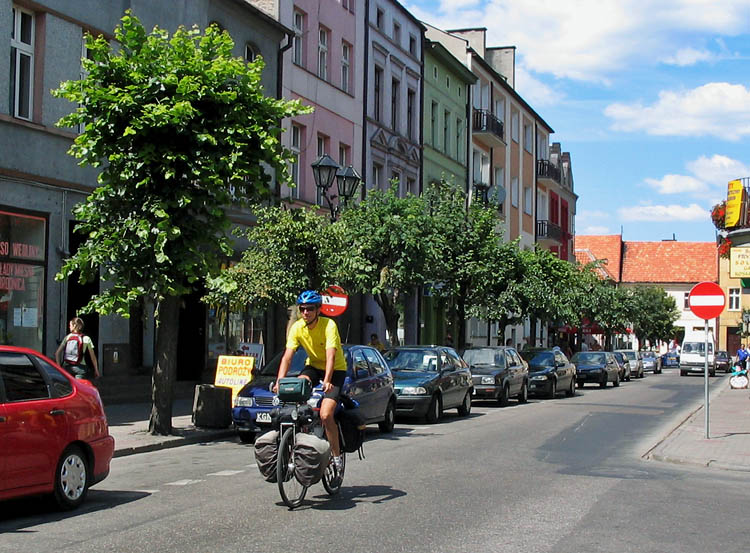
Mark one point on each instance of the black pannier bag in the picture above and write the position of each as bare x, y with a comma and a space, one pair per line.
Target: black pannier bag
266, 454
311, 456
353, 426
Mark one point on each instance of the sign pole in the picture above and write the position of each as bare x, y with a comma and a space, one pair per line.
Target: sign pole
705, 379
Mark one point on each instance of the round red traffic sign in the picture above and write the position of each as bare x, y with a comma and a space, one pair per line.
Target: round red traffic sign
335, 301
707, 300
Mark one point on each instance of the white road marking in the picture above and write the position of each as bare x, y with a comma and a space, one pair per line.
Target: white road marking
225, 473
186, 482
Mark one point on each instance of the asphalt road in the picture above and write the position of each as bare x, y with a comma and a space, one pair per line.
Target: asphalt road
561, 475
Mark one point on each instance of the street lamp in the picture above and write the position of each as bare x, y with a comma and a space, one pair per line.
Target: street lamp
325, 169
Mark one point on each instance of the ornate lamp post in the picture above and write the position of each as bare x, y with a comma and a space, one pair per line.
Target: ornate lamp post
325, 170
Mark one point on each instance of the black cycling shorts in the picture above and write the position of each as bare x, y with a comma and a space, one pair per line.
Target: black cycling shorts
316, 376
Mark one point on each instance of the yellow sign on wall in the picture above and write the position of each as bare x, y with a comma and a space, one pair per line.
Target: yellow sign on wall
739, 263
734, 204
234, 372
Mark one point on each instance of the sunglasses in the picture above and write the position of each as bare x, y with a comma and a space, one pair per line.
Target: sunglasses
305, 308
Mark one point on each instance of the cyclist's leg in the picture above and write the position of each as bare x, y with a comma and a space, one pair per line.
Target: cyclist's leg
327, 410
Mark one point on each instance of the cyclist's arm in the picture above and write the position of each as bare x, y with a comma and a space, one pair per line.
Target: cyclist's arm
286, 360
330, 363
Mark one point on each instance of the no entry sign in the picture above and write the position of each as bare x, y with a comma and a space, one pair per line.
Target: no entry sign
335, 301
707, 300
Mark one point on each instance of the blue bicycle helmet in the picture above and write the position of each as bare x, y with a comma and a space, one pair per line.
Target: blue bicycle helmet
309, 297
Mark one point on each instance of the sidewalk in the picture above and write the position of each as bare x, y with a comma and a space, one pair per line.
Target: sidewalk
728, 446
128, 424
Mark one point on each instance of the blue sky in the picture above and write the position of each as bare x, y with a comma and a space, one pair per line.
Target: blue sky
651, 98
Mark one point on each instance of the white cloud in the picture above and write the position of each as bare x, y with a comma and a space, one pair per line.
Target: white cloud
595, 229
717, 109
718, 170
677, 184
587, 214
688, 56
534, 91
664, 213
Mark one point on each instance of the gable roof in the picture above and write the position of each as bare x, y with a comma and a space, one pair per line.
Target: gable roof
607, 247
670, 261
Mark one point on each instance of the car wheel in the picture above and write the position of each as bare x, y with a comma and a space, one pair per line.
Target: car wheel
502, 397
435, 410
627, 378
389, 418
683, 373
71, 478
580, 384
616, 383
712, 372
465, 408
247, 437
603, 383
523, 397
571, 391
552, 390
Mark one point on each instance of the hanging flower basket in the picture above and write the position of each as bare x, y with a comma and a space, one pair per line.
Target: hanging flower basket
719, 214
725, 245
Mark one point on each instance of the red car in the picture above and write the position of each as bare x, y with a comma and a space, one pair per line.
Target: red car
54, 436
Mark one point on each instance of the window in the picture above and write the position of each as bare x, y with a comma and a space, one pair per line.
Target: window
514, 126
448, 83
58, 384
435, 72
481, 167
395, 93
378, 93
686, 303
359, 365
514, 191
377, 170
459, 137
376, 362
294, 169
500, 109
344, 160
22, 380
499, 185
528, 207
322, 149
412, 45
734, 299
345, 4
323, 53
346, 51
299, 29
251, 52
380, 19
433, 124
528, 142
446, 131
410, 98
397, 33
541, 205
411, 186
22, 63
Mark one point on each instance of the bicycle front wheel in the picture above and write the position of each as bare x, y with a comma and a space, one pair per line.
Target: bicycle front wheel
291, 491
332, 479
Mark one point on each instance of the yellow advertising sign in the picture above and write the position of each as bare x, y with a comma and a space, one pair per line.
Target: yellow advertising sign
234, 372
734, 204
739, 263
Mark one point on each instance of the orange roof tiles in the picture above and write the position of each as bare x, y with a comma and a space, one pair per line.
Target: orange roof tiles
607, 247
670, 261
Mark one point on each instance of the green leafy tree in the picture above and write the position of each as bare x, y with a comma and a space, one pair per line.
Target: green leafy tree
654, 314
384, 245
181, 129
604, 304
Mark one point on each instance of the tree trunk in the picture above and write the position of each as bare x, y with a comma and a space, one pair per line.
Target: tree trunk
459, 341
390, 312
165, 369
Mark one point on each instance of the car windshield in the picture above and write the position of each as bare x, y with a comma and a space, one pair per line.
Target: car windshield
543, 359
648, 354
696, 347
722, 355
588, 358
298, 363
629, 354
412, 359
483, 356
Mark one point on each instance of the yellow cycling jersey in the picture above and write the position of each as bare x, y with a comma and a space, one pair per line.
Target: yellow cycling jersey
325, 335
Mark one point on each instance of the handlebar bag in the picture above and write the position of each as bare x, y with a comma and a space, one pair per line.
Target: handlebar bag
311, 456
266, 453
294, 390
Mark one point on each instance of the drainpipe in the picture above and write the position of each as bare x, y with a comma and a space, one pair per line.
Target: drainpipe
363, 169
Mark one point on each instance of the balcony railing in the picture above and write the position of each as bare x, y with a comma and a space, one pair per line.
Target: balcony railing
484, 123
548, 231
545, 169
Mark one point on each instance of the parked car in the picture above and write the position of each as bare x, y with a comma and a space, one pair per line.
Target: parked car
723, 361
550, 372
368, 380
53, 430
651, 362
670, 359
624, 365
635, 361
598, 367
430, 379
498, 373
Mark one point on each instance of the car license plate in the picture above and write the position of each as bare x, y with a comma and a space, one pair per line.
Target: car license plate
263, 417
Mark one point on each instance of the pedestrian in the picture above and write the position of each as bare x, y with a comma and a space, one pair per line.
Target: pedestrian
71, 353
509, 343
449, 340
584, 346
376, 343
742, 356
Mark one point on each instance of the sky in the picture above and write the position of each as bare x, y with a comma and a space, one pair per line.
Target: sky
651, 98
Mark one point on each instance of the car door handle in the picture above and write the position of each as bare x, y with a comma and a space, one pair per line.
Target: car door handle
57, 412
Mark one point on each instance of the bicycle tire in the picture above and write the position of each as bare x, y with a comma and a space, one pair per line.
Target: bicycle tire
291, 491
331, 481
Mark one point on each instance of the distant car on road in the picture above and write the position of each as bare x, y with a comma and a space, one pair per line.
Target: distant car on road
635, 361
430, 379
670, 359
54, 437
624, 365
598, 367
498, 373
723, 361
651, 362
551, 372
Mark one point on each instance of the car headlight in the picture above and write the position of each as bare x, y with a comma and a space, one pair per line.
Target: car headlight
488, 380
242, 401
539, 377
413, 391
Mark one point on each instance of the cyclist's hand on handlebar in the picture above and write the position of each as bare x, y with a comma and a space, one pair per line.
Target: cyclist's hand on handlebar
327, 386
275, 388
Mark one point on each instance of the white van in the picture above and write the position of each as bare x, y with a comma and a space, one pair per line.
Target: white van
693, 354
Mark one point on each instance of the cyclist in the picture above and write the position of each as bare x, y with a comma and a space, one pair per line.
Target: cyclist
320, 338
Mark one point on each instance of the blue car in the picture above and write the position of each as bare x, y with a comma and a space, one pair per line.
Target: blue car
430, 379
368, 380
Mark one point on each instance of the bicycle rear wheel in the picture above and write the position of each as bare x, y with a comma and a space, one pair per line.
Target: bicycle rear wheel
291, 491
331, 479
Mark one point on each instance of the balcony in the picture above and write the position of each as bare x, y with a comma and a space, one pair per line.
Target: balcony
548, 233
488, 128
545, 169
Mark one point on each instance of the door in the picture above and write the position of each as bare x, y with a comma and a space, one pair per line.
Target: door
380, 382
516, 372
449, 381
361, 383
564, 370
35, 431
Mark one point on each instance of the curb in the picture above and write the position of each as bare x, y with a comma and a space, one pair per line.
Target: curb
168, 442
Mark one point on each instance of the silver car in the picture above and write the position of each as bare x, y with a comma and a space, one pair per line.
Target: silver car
634, 360
651, 362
